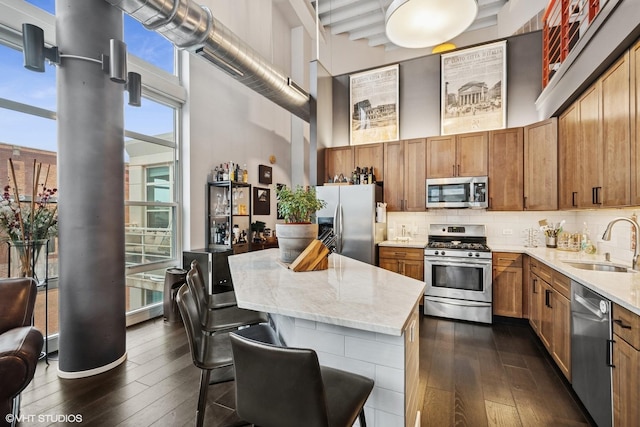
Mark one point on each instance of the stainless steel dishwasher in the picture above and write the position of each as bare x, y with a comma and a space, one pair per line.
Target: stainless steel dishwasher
591, 341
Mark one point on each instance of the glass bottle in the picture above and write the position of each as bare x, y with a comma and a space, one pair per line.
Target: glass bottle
245, 174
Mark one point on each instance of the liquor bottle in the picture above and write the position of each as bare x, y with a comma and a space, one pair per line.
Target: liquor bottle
365, 175
372, 176
232, 172
225, 173
358, 175
245, 174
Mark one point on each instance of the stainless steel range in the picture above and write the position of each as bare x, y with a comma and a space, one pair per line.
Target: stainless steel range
457, 271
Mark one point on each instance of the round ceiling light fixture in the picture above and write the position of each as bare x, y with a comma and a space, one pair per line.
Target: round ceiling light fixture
425, 23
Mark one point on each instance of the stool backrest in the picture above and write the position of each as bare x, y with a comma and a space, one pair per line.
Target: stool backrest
278, 386
189, 312
196, 286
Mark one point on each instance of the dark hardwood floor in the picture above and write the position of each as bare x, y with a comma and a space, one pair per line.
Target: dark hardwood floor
470, 375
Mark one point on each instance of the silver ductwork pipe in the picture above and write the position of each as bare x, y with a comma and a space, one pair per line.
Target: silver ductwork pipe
192, 27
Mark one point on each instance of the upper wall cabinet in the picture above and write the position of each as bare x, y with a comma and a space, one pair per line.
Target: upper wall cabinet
338, 160
404, 186
634, 62
370, 155
541, 166
343, 160
458, 155
506, 166
595, 146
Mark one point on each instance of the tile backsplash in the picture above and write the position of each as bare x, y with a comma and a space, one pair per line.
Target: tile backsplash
508, 228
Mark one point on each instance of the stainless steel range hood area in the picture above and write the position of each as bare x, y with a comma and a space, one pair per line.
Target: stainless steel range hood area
192, 27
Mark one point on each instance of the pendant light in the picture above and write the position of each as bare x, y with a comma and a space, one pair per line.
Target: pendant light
425, 23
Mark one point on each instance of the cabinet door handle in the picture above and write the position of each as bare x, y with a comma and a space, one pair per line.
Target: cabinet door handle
454, 170
573, 198
621, 324
535, 282
547, 298
458, 170
610, 353
598, 191
594, 195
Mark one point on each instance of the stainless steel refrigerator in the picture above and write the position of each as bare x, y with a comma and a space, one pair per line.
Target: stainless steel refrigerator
351, 213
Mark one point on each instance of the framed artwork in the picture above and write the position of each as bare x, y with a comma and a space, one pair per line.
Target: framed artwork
261, 201
264, 174
278, 216
473, 88
374, 100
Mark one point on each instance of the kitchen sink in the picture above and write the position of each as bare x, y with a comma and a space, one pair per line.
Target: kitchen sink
599, 266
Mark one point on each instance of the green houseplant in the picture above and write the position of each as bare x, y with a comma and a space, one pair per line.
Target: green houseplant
297, 207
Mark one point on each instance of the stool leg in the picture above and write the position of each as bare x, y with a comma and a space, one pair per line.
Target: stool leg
202, 397
363, 422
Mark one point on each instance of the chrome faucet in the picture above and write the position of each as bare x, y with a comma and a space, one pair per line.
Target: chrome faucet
607, 236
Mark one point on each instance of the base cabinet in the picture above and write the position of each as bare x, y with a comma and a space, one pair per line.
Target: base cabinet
550, 312
406, 261
507, 284
626, 371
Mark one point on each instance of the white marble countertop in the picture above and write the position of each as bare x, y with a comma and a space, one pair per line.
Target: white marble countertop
621, 288
404, 243
350, 293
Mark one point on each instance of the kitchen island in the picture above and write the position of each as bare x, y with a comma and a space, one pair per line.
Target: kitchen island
356, 316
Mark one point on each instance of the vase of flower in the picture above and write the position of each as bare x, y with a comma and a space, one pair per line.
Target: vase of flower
28, 258
27, 222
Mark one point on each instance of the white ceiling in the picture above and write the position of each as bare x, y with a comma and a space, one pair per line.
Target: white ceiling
364, 19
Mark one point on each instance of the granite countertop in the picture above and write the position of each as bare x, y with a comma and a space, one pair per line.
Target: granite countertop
621, 288
404, 243
350, 293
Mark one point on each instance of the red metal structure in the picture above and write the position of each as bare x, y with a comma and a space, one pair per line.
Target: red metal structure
564, 23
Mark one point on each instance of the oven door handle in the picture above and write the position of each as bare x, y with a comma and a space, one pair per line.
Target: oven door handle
460, 264
465, 303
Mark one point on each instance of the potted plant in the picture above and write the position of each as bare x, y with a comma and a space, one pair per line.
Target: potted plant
297, 207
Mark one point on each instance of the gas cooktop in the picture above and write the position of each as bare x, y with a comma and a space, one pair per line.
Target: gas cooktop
459, 245
457, 240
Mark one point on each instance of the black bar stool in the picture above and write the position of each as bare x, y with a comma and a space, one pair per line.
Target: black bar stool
286, 387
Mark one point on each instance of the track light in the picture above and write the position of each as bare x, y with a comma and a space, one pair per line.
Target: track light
117, 61
115, 64
134, 87
35, 51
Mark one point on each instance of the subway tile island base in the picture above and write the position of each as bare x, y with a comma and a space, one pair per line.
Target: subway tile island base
356, 316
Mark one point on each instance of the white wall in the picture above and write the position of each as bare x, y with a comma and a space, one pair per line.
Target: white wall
226, 121
499, 223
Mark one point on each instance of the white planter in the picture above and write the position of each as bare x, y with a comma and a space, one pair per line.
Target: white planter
294, 238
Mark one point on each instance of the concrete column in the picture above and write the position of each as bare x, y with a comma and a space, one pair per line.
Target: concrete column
91, 179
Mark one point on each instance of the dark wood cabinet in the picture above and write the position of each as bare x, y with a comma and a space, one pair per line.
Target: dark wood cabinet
458, 155
626, 370
506, 170
404, 185
406, 261
507, 284
541, 166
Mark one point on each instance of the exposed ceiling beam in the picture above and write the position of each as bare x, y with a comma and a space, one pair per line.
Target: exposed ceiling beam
368, 19
349, 13
367, 32
307, 17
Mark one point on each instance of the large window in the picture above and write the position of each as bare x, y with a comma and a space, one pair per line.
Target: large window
28, 131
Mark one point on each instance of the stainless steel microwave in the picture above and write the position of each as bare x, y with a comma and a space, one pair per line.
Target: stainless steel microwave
458, 192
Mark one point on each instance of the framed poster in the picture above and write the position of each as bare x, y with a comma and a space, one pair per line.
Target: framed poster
473, 88
374, 97
261, 201
264, 174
